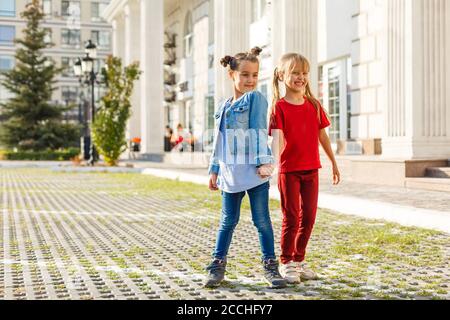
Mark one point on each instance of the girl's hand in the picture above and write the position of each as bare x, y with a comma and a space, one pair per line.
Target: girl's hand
213, 182
336, 175
265, 171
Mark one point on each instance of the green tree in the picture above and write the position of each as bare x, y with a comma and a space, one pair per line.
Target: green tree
32, 122
115, 109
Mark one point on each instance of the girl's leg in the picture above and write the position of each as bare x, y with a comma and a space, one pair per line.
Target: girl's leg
231, 208
289, 186
309, 194
259, 202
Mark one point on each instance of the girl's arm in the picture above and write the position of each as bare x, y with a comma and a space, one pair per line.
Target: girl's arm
259, 131
277, 144
326, 145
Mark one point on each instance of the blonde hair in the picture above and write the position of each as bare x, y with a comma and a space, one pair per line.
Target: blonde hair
287, 63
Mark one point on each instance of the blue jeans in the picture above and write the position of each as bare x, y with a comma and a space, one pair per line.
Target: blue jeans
231, 210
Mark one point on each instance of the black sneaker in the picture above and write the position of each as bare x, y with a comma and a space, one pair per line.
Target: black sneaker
216, 273
272, 275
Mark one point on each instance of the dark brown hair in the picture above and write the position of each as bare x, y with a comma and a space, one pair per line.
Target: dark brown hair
234, 62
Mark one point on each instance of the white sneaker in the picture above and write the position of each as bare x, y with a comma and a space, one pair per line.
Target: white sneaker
290, 273
305, 272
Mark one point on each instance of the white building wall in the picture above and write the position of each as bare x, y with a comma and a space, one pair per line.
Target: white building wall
231, 35
293, 21
335, 33
368, 100
193, 69
399, 52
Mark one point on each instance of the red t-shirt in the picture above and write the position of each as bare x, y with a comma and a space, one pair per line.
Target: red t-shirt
300, 127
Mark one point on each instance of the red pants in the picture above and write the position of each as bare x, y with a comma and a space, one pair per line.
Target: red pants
299, 195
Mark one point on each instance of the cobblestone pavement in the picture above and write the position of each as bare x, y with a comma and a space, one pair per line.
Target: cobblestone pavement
128, 236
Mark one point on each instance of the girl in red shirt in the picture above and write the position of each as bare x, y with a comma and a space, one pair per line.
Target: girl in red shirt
297, 125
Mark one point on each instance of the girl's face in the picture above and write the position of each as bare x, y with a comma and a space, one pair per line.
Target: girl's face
246, 78
297, 78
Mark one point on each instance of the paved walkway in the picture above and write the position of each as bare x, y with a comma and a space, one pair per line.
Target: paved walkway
107, 236
409, 207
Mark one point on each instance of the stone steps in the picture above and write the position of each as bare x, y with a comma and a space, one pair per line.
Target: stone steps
433, 184
438, 172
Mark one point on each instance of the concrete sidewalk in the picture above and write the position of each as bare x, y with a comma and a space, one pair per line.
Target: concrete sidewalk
408, 207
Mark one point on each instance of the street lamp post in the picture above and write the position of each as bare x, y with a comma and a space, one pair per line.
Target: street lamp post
84, 69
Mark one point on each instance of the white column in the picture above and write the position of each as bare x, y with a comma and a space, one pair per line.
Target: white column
294, 29
417, 79
120, 36
152, 90
128, 34
231, 34
132, 54
115, 38
368, 96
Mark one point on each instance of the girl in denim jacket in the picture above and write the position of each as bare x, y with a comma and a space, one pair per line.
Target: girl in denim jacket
242, 163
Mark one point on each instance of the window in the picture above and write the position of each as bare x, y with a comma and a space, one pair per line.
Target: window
210, 112
8, 8
70, 37
48, 36
349, 98
263, 88
5, 95
334, 94
7, 35
209, 125
69, 94
98, 65
6, 63
101, 39
258, 9
97, 8
100, 92
47, 7
188, 36
333, 102
67, 65
70, 8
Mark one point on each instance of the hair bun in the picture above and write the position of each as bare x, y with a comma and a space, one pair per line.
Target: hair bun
256, 51
226, 61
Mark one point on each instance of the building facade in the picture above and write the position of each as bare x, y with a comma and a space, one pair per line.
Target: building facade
381, 68
71, 24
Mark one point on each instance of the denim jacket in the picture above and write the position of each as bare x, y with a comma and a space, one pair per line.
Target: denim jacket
245, 119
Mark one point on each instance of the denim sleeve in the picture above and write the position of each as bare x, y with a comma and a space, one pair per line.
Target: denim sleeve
258, 123
213, 164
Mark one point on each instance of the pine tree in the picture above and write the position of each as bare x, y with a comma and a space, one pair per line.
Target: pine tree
32, 122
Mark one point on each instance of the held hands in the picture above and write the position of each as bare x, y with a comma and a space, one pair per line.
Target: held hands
213, 182
265, 171
336, 175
